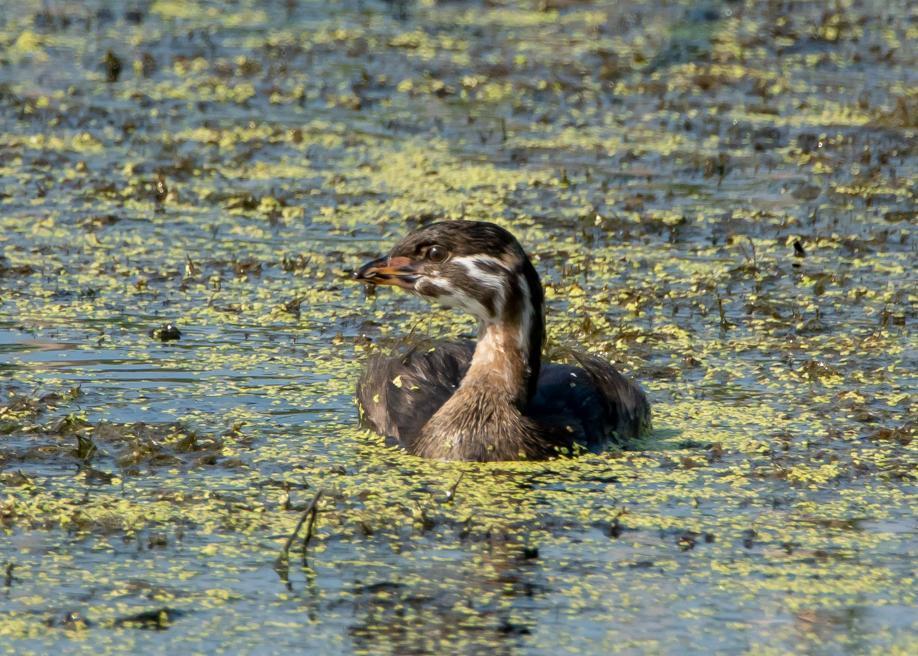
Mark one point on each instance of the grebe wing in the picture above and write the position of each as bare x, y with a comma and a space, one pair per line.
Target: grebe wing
591, 404
398, 393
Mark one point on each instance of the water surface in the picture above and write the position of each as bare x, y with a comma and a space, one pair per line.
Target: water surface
719, 196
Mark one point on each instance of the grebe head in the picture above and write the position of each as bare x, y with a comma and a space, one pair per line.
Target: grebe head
472, 265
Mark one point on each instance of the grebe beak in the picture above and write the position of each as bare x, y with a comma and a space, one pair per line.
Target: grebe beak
397, 271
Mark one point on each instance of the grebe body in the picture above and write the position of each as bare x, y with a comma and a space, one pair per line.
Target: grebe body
493, 399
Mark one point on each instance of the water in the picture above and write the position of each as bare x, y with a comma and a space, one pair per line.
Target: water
657, 160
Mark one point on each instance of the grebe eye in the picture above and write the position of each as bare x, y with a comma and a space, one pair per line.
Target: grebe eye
437, 254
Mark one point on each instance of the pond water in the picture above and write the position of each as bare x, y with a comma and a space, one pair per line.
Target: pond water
719, 196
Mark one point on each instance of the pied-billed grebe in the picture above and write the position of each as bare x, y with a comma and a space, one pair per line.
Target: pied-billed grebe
495, 399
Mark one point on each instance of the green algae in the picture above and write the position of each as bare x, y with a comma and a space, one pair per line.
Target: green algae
659, 162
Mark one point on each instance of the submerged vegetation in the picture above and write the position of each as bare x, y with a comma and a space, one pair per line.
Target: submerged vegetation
719, 195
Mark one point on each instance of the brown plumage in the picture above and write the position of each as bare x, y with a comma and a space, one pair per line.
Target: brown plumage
494, 399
